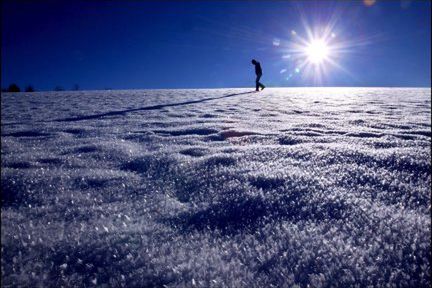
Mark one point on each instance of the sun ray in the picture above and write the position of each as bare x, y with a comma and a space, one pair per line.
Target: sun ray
315, 52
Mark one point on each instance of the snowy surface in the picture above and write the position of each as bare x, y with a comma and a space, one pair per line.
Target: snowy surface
216, 188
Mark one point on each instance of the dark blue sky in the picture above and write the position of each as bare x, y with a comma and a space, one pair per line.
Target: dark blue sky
143, 44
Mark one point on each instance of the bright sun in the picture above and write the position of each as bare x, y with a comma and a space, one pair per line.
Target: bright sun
317, 51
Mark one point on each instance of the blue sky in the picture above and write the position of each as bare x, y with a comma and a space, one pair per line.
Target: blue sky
144, 44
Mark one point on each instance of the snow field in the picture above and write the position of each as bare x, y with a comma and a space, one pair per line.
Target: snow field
217, 188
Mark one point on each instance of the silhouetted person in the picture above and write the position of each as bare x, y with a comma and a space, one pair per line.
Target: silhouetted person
258, 72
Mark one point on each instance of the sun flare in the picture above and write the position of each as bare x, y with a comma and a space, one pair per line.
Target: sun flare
314, 53
317, 51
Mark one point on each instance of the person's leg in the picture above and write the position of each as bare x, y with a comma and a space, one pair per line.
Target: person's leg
258, 84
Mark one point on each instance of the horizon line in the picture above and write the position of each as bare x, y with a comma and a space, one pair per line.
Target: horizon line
218, 88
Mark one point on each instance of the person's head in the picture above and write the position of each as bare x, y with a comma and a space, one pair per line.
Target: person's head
254, 61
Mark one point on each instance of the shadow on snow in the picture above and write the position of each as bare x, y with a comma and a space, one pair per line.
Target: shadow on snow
154, 107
